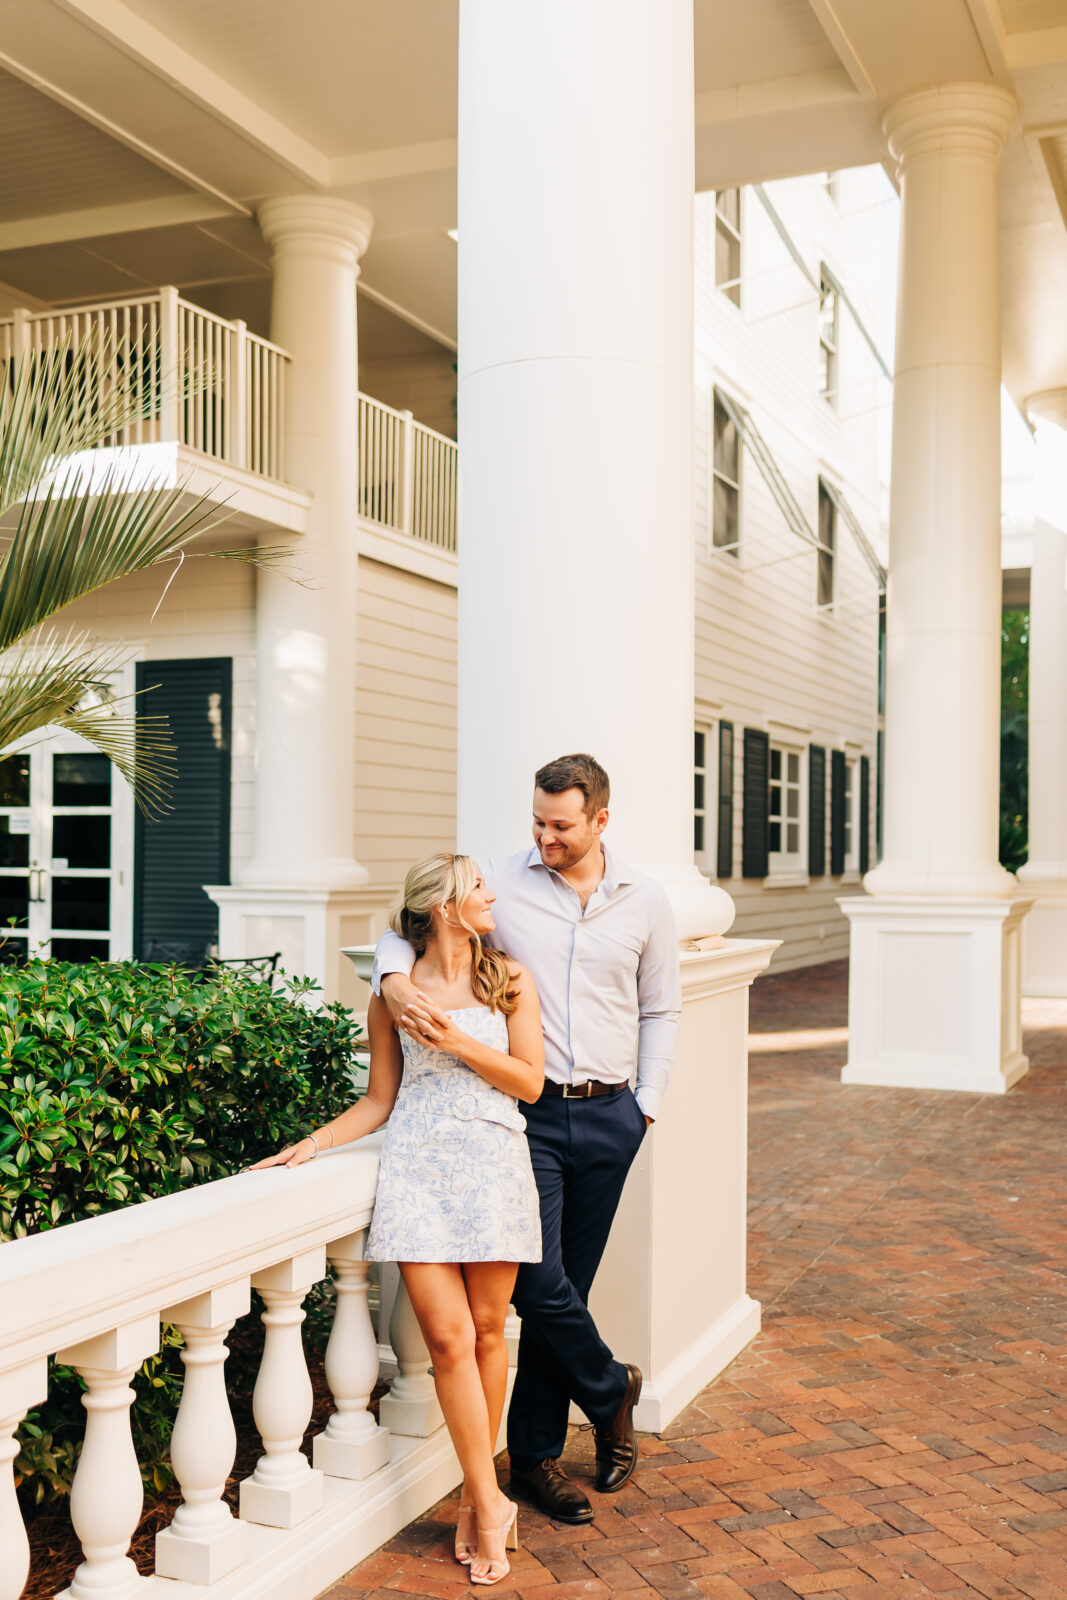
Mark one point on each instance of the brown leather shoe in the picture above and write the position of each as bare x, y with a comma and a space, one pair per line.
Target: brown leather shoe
616, 1442
552, 1492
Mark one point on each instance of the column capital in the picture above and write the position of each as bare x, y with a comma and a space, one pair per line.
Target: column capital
316, 227
950, 119
1047, 405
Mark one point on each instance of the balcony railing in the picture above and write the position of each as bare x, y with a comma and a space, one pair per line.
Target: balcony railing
408, 475
93, 1293
202, 382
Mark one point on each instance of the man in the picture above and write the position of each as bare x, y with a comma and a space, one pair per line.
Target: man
600, 942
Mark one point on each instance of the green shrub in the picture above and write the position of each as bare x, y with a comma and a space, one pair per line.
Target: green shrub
120, 1083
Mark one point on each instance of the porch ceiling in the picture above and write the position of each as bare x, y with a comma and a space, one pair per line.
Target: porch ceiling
139, 137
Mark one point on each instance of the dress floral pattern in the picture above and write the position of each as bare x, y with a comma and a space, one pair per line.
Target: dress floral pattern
455, 1181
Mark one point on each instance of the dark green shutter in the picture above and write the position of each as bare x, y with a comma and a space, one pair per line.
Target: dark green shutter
816, 811
724, 861
837, 812
189, 845
865, 813
757, 747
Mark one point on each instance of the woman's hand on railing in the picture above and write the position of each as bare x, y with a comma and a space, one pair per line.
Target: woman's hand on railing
294, 1155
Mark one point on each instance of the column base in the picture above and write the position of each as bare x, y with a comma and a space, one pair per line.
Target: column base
667, 1392
415, 1418
201, 1561
934, 993
307, 925
350, 1458
1045, 938
277, 1507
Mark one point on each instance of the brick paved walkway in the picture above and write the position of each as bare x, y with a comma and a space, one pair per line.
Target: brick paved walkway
899, 1428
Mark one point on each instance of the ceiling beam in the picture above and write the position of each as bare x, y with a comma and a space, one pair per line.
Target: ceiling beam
399, 161
1041, 48
992, 36
847, 53
132, 217
125, 30
773, 95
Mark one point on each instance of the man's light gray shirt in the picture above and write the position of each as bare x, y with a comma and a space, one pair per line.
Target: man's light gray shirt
608, 978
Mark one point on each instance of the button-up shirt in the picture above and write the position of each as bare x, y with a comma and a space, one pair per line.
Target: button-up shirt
608, 976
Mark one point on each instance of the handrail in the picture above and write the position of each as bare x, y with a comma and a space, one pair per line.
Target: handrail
408, 475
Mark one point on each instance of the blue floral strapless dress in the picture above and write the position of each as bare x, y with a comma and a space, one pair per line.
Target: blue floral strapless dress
455, 1181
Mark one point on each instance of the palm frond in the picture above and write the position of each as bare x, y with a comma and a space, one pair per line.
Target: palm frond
66, 683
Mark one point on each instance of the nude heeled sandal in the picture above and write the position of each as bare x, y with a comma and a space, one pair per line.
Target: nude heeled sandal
464, 1548
510, 1530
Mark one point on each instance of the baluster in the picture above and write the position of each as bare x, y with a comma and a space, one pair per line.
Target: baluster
352, 1445
411, 1407
204, 1541
107, 1496
284, 1489
172, 370
20, 1389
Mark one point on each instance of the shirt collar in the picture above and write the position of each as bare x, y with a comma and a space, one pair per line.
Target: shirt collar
616, 872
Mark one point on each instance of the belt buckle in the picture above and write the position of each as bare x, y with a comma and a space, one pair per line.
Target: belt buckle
571, 1093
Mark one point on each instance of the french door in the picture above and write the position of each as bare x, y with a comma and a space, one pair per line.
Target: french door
66, 853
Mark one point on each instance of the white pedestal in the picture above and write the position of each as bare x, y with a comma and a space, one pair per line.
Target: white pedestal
670, 1294
934, 993
414, 1417
1045, 938
282, 1505
350, 1458
308, 925
203, 1560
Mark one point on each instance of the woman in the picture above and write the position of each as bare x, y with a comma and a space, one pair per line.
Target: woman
456, 1205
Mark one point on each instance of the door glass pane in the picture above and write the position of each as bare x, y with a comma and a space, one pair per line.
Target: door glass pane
14, 847
82, 841
14, 902
81, 902
78, 949
15, 781
81, 780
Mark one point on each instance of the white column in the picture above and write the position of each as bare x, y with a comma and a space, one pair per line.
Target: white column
20, 1389
1045, 874
204, 1540
934, 998
284, 1489
351, 1445
576, 597
299, 892
107, 1495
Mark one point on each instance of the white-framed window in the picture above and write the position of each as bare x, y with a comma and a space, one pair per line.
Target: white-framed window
851, 818
828, 329
728, 243
703, 817
827, 556
725, 479
786, 810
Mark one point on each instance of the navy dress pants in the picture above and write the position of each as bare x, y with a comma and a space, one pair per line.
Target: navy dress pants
581, 1151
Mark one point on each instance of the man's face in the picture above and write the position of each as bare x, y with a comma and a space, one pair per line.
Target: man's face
562, 831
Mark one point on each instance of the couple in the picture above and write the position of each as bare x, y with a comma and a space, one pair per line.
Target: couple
476, 1214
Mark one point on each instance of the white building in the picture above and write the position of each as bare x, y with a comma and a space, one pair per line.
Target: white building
518, 192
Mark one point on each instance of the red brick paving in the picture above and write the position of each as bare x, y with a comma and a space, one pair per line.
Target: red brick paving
899, 1427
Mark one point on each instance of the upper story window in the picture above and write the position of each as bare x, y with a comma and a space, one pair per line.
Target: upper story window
785, 810
701, 789
827, 547
828, 320
726, 479
728, 243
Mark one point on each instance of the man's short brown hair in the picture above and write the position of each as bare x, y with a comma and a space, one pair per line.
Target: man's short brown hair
576, 772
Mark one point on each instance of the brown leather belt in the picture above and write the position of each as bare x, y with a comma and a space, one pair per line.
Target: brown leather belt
581, 1091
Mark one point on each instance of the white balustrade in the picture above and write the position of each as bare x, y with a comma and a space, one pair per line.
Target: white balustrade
284, 1489
107, 1495
411, 1406
352, 1445
19, 1390
204, 1541
408, 475
199, 380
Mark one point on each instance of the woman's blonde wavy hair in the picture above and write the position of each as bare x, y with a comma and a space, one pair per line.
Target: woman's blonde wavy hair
434, 882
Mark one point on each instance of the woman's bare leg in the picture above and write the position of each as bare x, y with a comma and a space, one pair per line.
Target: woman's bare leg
490, 1285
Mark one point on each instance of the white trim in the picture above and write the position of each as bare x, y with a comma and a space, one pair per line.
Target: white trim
407, 554
787, 880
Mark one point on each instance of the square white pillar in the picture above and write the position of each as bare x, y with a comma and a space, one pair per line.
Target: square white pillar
934, 992
671, 1292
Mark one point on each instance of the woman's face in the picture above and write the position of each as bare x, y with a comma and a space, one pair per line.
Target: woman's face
476, 910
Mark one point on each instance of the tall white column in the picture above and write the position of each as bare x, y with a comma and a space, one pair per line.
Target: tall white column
935, 950
1045, 873
303, 878
576, 550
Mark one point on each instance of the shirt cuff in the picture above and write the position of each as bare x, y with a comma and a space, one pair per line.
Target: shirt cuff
648, 1100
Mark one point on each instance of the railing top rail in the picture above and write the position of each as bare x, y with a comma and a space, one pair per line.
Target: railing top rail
380, 405
434, 434
86, 1278
267, 344
79, 309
